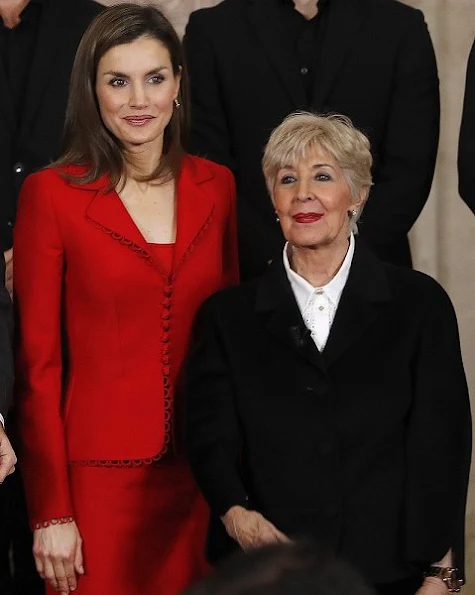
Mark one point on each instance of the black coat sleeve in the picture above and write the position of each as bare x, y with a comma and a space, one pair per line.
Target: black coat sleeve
212, 428
407, 155
438, 439
6, 351
466, 155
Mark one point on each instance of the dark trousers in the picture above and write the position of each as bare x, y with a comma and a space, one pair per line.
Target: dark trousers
18, 574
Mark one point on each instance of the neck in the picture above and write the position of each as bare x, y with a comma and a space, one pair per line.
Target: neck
319, 265
142, 160
307, 8
10, 11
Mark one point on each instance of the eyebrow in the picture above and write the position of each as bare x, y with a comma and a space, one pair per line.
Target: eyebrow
314, 166
123, 75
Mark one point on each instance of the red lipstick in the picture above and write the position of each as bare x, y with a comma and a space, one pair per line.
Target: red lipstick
307, 217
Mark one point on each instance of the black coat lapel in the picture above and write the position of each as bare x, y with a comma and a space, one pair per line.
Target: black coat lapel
344, 21
265, 19
275, 303
366, 290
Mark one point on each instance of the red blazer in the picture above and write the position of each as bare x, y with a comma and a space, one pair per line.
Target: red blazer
85, 280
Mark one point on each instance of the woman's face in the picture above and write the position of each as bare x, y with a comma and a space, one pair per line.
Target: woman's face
135, 88
312, 200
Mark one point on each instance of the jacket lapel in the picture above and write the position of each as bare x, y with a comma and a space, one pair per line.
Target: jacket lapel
195, 209
275, 303
264, 17
366, 290
108, 212
344, 21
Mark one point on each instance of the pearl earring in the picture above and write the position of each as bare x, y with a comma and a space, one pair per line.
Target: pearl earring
354, 212
177, 103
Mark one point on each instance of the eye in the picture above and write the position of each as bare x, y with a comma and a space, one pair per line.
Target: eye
323, 177
156, 79
287, 179
117, 82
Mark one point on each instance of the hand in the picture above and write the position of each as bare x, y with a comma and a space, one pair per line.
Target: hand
7, 456
58, 555
10, 11
433, 586
8, 255
250, 529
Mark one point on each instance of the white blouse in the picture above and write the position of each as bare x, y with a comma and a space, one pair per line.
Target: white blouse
318, 305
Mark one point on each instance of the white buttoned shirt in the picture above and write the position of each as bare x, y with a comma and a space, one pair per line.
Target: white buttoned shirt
318, 305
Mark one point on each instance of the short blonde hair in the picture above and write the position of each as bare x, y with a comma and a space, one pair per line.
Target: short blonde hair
335, 134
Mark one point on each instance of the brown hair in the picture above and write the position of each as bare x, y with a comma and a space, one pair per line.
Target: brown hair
86, 141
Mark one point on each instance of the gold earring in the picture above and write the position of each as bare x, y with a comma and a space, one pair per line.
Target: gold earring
177, 103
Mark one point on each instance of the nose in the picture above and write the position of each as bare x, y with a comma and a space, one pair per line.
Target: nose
302, 191
138, 96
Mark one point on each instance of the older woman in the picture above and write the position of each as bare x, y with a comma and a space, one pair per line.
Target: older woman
116, 246
328, 398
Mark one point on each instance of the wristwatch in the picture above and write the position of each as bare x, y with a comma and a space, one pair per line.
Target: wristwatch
448, 575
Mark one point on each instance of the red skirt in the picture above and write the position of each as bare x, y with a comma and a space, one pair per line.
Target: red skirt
143, 529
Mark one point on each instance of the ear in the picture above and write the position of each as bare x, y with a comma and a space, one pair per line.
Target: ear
362, 198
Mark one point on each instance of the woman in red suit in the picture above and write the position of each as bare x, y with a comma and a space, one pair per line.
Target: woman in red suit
116, 246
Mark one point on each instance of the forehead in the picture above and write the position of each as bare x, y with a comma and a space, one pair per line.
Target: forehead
307, 157
143, 54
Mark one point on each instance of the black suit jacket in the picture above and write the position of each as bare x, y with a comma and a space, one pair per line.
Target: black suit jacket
466, 156
6, 351
378, 67
62, 25
365, 446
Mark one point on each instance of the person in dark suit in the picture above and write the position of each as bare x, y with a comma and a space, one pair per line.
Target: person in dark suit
466, 154
328, 398
252, 62
7, 454
38, 41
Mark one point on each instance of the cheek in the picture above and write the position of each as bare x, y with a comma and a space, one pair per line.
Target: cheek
108, 103
281, 201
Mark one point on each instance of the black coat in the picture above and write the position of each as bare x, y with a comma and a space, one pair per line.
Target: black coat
6, 350
62, 25
365, 446
379, 68
466, 156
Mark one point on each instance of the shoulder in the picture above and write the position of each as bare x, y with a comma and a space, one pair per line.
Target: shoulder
216, 14
230, 304
52, 183
422, 291
394, 15
393, 8
206, 169
87, 9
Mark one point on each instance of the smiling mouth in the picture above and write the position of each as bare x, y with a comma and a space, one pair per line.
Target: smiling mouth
307, 217
138, 120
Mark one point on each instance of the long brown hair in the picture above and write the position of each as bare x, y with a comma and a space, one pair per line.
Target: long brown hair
86, 141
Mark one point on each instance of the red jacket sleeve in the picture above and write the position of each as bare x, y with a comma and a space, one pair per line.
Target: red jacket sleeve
38, 265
